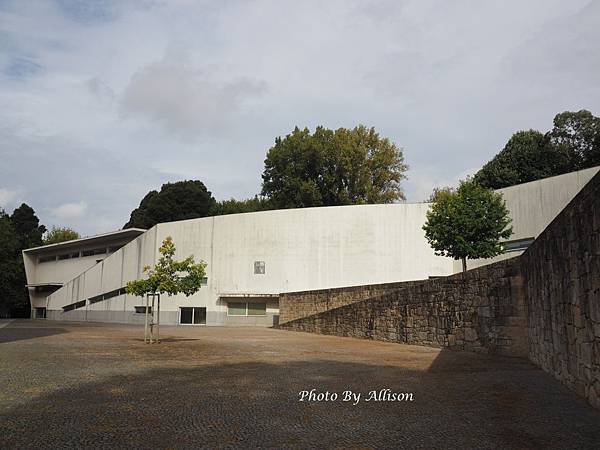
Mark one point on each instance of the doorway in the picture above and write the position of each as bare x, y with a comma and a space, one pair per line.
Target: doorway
40, 313
192, 316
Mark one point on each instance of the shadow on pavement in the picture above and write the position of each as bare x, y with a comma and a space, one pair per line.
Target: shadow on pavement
256, 405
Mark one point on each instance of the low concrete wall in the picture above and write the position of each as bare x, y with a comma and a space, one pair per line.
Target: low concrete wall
563, 295
482, 310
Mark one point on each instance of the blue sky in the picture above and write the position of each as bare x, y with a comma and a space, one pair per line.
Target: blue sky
103, 101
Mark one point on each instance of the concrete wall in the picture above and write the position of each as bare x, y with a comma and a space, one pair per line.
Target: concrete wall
482, 310
310, 248
563, 295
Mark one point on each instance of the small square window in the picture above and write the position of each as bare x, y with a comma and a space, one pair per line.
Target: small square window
204, 281
259, 267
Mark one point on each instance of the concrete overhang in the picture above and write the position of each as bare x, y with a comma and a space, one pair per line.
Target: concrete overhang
119, 235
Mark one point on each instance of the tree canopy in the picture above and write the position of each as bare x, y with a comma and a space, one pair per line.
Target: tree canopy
60, 234
468, 222
326, 168
169, 276
233, 206
18, 231
175, 201
572, 144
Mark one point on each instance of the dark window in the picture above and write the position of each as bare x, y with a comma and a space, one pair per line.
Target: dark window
43, 259
186, 315
204, 281
259, 267
87, 253
64, 256
114, 248
196, 316
75, 255
520, 244
72, 306
99, 251
142, 309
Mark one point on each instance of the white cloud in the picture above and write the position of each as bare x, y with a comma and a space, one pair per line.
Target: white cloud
184, 99
69, 211
8, 197
113, 100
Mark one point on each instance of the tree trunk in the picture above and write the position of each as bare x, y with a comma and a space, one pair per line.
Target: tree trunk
464, 264
146, 325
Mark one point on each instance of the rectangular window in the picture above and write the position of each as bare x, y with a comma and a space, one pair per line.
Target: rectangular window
259, 267
142, 309
520, 244
257, 309
43, 259
204, 281
87, 253
246, 309
192, 316
64, 256
236, 309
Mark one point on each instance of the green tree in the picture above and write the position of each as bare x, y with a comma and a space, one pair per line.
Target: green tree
527, 156
27, 226
60, 234
233, 206
167, 277
578, 135
467, 223
326, 168
175, 201
19, 231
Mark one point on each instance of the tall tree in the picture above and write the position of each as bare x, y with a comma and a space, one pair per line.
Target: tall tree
527, 156
60, 234
578, 135
27, 226
467, 223
175, 201
326, 168
19, 231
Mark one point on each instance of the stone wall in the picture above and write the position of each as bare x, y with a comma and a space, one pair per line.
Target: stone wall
481, 310
294, 305
563, 295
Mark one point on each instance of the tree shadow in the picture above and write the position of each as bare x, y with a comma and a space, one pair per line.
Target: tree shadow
256, 405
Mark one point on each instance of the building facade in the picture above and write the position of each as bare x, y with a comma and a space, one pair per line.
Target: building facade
252, 258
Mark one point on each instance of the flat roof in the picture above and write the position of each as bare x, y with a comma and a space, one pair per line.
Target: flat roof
111, 236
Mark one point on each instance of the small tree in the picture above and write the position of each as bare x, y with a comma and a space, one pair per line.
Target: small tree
60, 234
168, 277
467, 223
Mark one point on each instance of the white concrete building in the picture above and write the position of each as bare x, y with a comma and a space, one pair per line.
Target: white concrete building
253, 257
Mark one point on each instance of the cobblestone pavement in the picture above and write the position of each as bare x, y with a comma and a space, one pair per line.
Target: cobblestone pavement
74, 385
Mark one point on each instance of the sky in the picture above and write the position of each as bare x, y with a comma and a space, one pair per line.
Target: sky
102, 101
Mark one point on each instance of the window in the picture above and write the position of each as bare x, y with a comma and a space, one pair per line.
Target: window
114, 248
520, 244
142, 309
259, 267
192, 316
64, 256
236, 309
246, 309
204, 281
94, 251
43, 259
73, 306
257, 309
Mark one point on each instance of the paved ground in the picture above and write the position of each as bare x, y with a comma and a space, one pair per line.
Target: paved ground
70, 385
